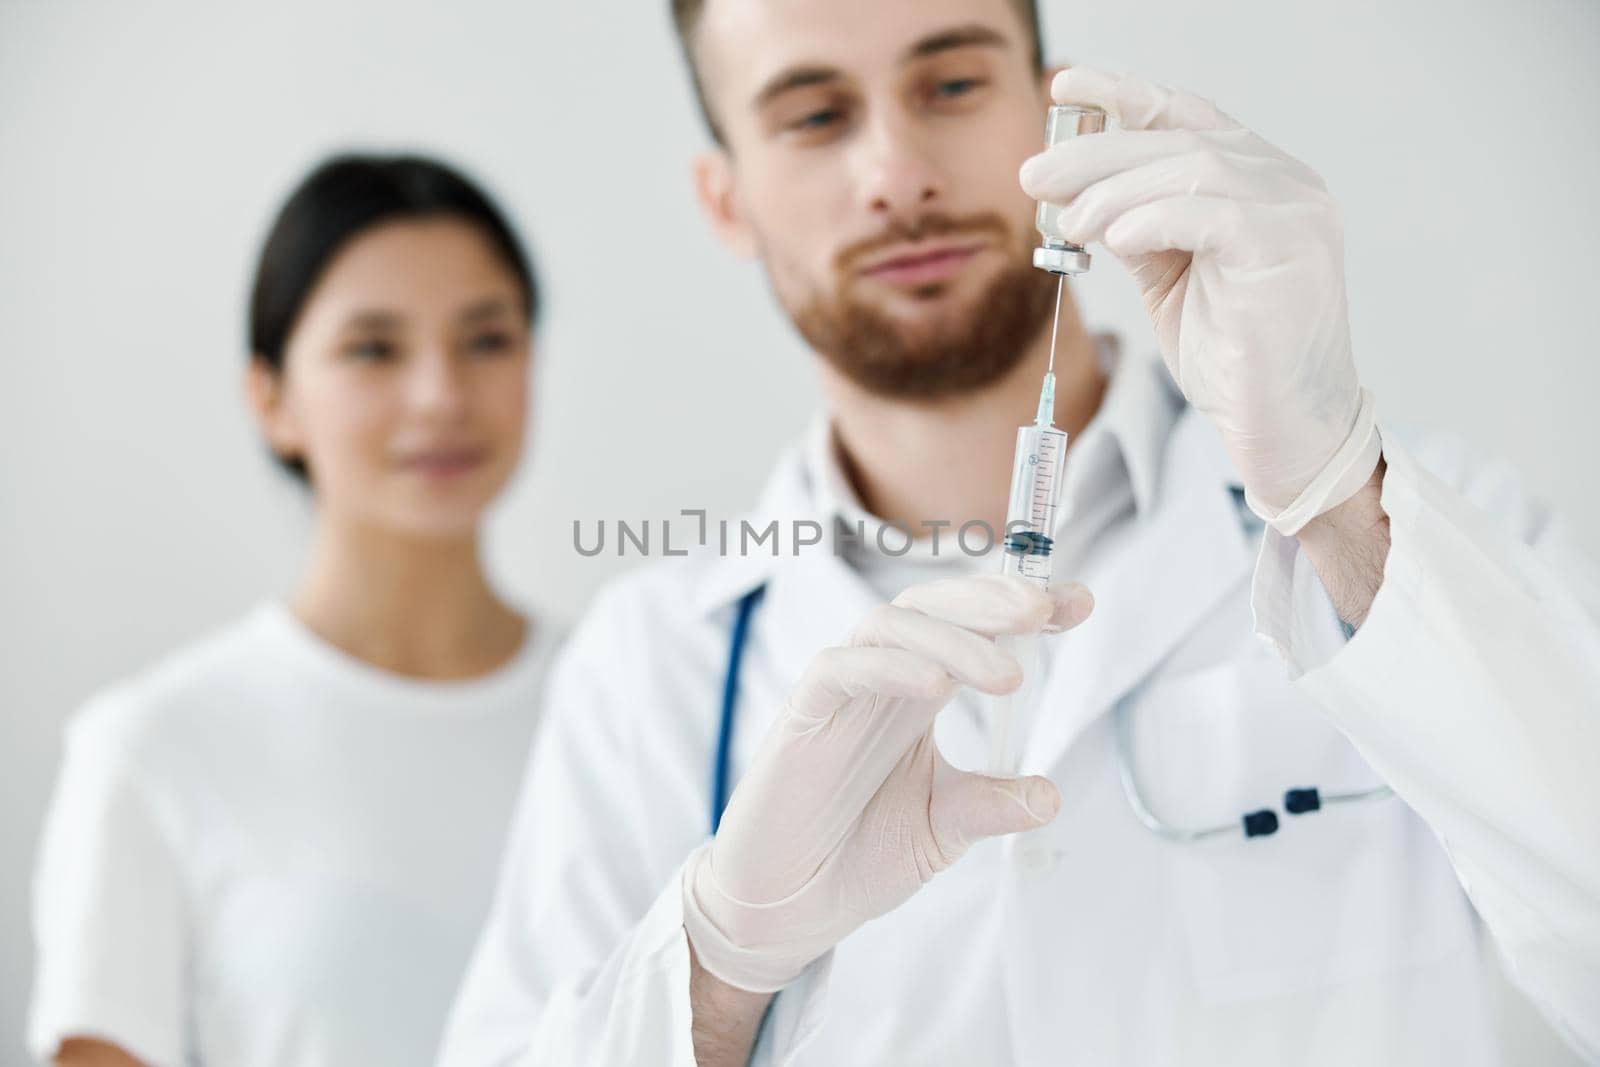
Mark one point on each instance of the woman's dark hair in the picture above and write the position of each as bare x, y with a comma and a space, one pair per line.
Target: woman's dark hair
338, 201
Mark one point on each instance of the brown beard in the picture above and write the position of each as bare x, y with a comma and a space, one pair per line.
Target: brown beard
961, 354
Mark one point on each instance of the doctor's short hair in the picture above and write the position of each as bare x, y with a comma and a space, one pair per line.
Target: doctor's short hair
338, 201
686, 19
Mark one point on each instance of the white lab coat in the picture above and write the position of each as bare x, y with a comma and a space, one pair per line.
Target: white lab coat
1371, 933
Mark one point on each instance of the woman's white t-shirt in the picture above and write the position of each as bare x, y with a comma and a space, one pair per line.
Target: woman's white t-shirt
265, 851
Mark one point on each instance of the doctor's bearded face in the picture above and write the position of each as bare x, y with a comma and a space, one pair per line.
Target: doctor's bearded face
869, 159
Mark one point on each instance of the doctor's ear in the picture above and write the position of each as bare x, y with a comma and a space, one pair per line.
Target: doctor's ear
714, 183
265, 392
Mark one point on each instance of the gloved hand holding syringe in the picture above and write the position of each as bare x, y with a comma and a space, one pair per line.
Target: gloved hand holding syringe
1040, 460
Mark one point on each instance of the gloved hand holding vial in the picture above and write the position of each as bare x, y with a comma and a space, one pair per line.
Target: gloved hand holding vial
1238, 251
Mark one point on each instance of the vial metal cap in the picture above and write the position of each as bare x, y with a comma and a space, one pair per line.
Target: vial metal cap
1059, 257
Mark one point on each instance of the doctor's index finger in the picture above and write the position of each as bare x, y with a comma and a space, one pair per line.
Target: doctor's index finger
967, 657
995, 604
838, 675
1062, 171
1136, 103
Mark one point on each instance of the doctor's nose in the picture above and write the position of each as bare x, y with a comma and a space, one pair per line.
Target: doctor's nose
898, 177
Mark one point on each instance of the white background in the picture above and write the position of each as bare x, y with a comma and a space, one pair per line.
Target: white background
144, 145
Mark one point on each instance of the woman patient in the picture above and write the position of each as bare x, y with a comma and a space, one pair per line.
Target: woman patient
277, 845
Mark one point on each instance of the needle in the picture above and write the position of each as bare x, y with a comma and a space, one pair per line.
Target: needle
1047, 395
1055, 327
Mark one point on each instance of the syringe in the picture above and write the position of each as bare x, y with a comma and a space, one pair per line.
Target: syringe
1029, 536
1041, 453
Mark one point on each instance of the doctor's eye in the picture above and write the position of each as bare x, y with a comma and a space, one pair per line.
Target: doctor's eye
817, 120
953, 84
956, 87
817, 125
813, 115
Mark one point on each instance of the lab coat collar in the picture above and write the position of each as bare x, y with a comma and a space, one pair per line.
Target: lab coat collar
786, 498
1138, 413
813, 596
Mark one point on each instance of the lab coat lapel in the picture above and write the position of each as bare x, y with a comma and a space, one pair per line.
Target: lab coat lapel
813, 602
1183, 556
813, 598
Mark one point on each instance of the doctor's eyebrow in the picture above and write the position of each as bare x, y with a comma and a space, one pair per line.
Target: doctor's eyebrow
795, 78
799, 77
956, 37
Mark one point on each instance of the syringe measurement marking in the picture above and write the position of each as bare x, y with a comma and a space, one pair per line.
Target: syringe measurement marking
1041, 493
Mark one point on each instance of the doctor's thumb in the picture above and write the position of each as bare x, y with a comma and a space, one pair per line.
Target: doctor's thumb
977, 806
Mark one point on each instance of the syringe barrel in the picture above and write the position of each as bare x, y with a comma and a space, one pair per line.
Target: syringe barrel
1055, 253
1035, 494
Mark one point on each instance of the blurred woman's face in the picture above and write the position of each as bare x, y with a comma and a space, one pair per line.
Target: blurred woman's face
405, 382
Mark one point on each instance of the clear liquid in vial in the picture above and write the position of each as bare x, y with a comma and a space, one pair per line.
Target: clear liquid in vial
1064, 122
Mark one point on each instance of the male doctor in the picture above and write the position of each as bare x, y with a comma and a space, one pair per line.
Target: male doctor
1288, 596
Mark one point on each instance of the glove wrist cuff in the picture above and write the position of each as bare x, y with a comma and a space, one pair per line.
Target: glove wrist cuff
740, 961
1340, 478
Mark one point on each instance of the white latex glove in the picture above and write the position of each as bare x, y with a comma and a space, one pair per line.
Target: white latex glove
1239, 252
849, 807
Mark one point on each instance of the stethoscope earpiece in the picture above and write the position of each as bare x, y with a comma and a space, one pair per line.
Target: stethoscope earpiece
1301, 801
1260, 823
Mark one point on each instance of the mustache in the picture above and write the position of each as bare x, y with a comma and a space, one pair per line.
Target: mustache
922, 227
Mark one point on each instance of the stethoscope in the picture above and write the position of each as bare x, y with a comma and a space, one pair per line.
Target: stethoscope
1301, 800
730, 699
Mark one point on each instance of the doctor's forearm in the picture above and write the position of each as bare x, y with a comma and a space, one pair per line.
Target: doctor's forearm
1349, 546
725, 1018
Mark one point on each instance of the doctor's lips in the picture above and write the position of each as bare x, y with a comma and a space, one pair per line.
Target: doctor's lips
443, 461
915, 265
935, 250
